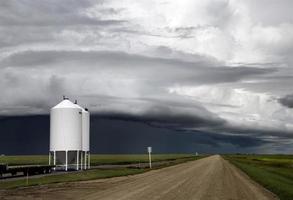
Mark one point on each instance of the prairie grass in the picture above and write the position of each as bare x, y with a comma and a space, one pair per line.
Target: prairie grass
274, 172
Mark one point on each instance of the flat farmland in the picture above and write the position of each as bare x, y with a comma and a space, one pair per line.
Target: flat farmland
210, 178
103, 166
96, 159
274, 172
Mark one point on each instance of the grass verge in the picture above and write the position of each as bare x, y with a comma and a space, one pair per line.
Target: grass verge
273, 172
96, 159
84, 175
70, 177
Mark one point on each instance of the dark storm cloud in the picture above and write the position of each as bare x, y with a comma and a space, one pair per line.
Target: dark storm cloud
30, 135
156, 107
261, 133
142, 63
168, 117
202, 71
215, 129
175, 115
187, 117
287, 101
243, 141
181, 124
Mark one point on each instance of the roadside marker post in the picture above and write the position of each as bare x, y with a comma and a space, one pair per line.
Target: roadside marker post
150, 156
27, 176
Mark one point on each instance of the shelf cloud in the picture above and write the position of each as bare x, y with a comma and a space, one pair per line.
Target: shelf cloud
220, 69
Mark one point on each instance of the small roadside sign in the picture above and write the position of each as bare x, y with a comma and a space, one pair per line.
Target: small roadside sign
150, 156
149, 149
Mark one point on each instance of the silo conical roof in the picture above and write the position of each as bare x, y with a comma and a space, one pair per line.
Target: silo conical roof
78, 106
65, 104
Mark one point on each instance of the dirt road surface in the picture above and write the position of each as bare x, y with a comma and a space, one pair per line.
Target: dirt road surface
211, 178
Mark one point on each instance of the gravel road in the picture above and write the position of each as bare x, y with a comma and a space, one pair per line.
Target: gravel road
211, 178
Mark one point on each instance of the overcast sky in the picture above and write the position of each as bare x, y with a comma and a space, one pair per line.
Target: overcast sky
220, 67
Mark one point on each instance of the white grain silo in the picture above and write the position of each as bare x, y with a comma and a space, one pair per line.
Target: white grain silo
66, 135
85, 154
86, 137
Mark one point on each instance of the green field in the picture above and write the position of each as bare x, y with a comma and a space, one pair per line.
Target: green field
96, 159
78, 176
134, 158
89, 174
274, 172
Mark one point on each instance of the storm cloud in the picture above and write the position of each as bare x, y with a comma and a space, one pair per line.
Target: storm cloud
218, 69
287, 101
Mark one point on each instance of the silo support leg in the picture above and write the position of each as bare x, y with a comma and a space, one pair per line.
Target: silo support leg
85, 167
49, 158
89, 161
77, 160
54, 160
81, 160
66, 161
